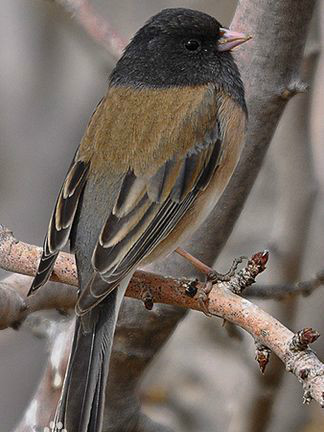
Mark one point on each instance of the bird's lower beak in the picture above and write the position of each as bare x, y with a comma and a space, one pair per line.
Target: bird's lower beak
231, 39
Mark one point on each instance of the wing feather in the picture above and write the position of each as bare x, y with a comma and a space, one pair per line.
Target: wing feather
61, 221
132, 191
150, 203
126, 240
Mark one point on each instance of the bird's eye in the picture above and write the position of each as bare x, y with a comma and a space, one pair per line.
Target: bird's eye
192, 44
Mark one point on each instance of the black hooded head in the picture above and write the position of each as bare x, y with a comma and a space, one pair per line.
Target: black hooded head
178, 47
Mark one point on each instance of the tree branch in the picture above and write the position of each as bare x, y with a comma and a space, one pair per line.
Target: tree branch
284, 291
23, 258
98, 28
221, 302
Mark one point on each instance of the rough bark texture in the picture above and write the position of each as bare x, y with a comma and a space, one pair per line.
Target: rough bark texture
22, 258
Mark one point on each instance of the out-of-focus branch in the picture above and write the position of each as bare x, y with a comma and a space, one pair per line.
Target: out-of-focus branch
43, 404
284, 291
139, 335
270, 67
223, 303
292, 162
98, 28
317, 106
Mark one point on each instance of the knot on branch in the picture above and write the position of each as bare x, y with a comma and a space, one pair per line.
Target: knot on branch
262, 355
5, 233
11, 306
295, 87
191, 287
302, 339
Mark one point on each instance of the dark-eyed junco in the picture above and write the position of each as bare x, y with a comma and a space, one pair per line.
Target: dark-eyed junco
156, 155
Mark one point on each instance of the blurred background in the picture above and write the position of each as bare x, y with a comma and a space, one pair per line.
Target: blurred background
52, 76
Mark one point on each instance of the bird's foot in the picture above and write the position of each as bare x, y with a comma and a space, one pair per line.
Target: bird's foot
212, 277
203, 297
216, 277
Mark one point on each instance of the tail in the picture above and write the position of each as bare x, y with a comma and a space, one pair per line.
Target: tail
82, 400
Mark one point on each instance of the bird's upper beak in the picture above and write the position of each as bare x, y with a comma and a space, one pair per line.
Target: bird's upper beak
231, 39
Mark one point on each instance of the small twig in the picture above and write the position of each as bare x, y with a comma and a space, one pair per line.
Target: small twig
238, 282
282, 291
295, 87
211, 274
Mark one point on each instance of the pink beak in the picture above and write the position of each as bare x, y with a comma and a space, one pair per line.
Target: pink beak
231, 39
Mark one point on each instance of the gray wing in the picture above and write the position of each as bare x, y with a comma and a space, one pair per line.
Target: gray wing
61, 221
146, 211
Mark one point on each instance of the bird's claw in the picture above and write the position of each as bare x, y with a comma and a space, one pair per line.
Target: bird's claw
203, 297
216, 277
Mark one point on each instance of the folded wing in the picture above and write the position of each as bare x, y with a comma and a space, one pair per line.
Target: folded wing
146, 211
61, 221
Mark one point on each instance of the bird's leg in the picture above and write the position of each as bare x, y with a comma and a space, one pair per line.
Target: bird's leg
212, 276
210, 273
199, 265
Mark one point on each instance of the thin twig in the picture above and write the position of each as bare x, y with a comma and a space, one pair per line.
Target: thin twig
283, 291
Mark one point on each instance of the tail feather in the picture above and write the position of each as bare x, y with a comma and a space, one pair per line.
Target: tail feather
82, 400
97, 409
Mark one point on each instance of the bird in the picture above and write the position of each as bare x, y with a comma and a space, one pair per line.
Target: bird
156, 156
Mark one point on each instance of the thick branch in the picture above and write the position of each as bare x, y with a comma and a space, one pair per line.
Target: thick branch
291, 159
23, 258
222, 303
